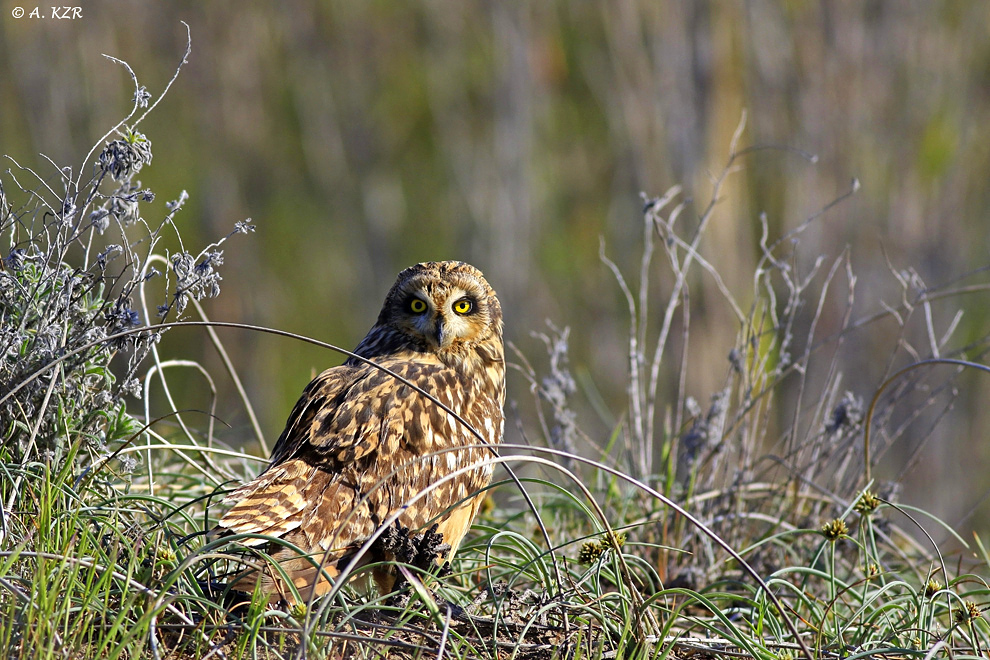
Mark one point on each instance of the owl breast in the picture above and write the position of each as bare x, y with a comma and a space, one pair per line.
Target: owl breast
436, 445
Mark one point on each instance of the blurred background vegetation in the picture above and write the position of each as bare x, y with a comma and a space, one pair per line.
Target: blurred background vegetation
362, 137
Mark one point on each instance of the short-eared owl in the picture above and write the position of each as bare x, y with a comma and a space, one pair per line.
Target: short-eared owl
359, 445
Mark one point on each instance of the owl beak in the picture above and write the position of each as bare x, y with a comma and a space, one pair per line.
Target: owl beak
442, 338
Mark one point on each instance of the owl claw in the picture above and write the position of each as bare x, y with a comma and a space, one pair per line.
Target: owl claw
421, 551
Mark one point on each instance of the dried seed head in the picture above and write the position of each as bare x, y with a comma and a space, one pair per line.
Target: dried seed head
970, 611
867, 503
123, 158
846, 415
590, 552
835, 529
614, 540
932, 588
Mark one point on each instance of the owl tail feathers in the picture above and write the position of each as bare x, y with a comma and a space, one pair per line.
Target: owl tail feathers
295, 580
300, 578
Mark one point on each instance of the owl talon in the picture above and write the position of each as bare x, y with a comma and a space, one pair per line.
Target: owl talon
430, 548
420, 551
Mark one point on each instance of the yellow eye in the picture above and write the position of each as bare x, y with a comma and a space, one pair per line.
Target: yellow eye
463, 306
417, 306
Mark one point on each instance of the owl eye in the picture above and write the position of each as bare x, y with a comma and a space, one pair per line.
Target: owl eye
463, 306
417, 306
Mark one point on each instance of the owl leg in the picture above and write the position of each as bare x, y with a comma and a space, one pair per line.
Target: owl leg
422, 551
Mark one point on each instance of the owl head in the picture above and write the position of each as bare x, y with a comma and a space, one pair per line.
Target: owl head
442, 307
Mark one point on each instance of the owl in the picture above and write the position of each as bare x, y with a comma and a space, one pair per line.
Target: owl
360, 444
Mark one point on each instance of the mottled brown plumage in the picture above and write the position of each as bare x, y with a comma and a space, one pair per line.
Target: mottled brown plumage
359, 445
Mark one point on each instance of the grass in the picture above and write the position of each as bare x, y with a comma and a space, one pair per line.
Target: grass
751, 525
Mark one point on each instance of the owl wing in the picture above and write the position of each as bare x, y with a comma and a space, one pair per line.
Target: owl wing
344, 415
